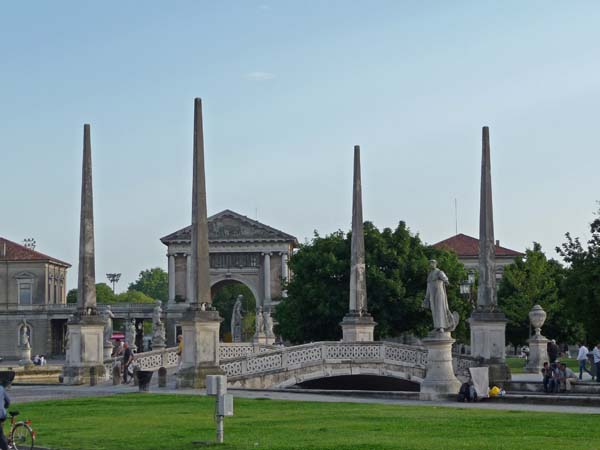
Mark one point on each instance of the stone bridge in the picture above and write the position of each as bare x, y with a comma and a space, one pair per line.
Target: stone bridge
261, 367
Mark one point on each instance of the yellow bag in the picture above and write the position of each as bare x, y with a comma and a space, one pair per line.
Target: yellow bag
494, 391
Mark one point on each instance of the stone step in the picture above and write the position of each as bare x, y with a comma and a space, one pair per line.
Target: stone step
583, 387
549, 399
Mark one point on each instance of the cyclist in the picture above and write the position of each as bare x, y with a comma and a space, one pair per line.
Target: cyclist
4, 403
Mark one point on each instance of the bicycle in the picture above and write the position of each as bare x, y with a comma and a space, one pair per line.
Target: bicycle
21, 436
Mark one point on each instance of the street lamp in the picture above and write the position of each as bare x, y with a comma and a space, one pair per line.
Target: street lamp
466, 287
29, 243
113, 278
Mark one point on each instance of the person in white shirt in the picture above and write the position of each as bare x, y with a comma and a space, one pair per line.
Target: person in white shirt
596, 353
582, 358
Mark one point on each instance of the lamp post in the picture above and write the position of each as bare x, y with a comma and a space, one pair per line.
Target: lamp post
114, 279
466, 287
29, 243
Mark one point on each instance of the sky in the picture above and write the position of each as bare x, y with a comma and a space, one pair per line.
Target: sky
288, 88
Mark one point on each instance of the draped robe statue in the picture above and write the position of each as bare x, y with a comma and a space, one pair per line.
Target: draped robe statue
236, 320
436, 299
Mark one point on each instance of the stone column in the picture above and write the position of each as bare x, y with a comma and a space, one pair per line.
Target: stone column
200, 323
267, 277
86, 329
171, 278
358, 325
487, 322
284, 267
189, 284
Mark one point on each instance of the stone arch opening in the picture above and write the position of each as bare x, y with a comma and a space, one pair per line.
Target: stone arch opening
224, 294
360, 382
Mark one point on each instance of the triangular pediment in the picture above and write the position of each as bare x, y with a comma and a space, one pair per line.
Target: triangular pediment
229, 226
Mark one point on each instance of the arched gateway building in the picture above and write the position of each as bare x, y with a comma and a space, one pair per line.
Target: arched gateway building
242, 250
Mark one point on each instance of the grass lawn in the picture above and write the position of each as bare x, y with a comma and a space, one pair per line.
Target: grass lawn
517, 364
138, 421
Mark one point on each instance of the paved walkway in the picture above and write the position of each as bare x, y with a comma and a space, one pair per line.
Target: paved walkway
25, 394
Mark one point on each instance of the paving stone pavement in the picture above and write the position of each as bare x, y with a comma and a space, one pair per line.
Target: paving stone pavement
25, 394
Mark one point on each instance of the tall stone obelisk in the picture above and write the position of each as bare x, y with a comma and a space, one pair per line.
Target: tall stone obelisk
358, 325
200, 323
85, 353
487, 322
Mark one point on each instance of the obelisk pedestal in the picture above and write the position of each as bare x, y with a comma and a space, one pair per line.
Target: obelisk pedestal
85, 353
440, 381
25, 355
488, 342
200, 323
357, 325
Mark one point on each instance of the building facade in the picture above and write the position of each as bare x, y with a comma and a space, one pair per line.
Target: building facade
467, 250
31, 284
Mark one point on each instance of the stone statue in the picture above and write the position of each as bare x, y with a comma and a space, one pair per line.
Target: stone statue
268, 323
158, 328
157, 313
435, 298
236, 320
67, 337
260, 324
24, 334
108, 325
130, 334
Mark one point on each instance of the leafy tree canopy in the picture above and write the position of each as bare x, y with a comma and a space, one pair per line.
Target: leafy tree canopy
581, 286
397, 267
132, 296
534, 280
104, 295
152, 282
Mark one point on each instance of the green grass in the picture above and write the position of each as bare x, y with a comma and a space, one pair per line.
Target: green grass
138, 421
517, 364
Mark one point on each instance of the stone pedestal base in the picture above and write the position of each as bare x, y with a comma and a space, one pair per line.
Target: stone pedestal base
108, 350
488, 342
356, 328
86, 350
200, 330
538, 354
25, 356
440, 381
263, 339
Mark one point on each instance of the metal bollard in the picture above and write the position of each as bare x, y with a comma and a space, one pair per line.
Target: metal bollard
116, 375
217, 385
162, 377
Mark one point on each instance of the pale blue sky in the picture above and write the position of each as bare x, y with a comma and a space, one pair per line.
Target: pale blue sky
288, 88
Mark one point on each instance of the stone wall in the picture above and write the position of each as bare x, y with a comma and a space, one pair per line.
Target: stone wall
9, 335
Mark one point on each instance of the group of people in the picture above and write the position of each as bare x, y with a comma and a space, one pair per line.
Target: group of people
559, 378
39, 360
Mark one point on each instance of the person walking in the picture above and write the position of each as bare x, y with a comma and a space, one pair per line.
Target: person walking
596, 354
4, 403
127, 360
552, 351
582, 359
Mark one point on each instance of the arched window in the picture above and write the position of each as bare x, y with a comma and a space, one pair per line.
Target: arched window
25, 288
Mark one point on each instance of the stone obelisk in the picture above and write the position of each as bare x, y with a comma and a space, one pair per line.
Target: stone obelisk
358, 325
200, 323
85, 355
487, 322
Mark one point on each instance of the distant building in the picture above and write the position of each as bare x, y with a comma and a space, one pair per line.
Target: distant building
467, 250
29, 282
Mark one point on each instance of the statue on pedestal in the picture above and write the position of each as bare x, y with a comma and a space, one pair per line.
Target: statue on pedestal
236, 320
108, 327
158, 328
260, 324
25, 335
130, 334
268, 323
435, 298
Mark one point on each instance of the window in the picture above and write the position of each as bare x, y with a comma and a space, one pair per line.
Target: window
25, 288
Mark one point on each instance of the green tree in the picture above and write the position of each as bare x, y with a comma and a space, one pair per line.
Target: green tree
152, 282
397, 267
534, 280
581, 286
132, 296
104, 294
224, 298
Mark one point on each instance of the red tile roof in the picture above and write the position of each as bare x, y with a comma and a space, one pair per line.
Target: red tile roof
464, 245
11, 251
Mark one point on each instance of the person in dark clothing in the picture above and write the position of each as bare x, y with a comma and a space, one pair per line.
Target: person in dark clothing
547, 374
127, 360
552, 351
4, 403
